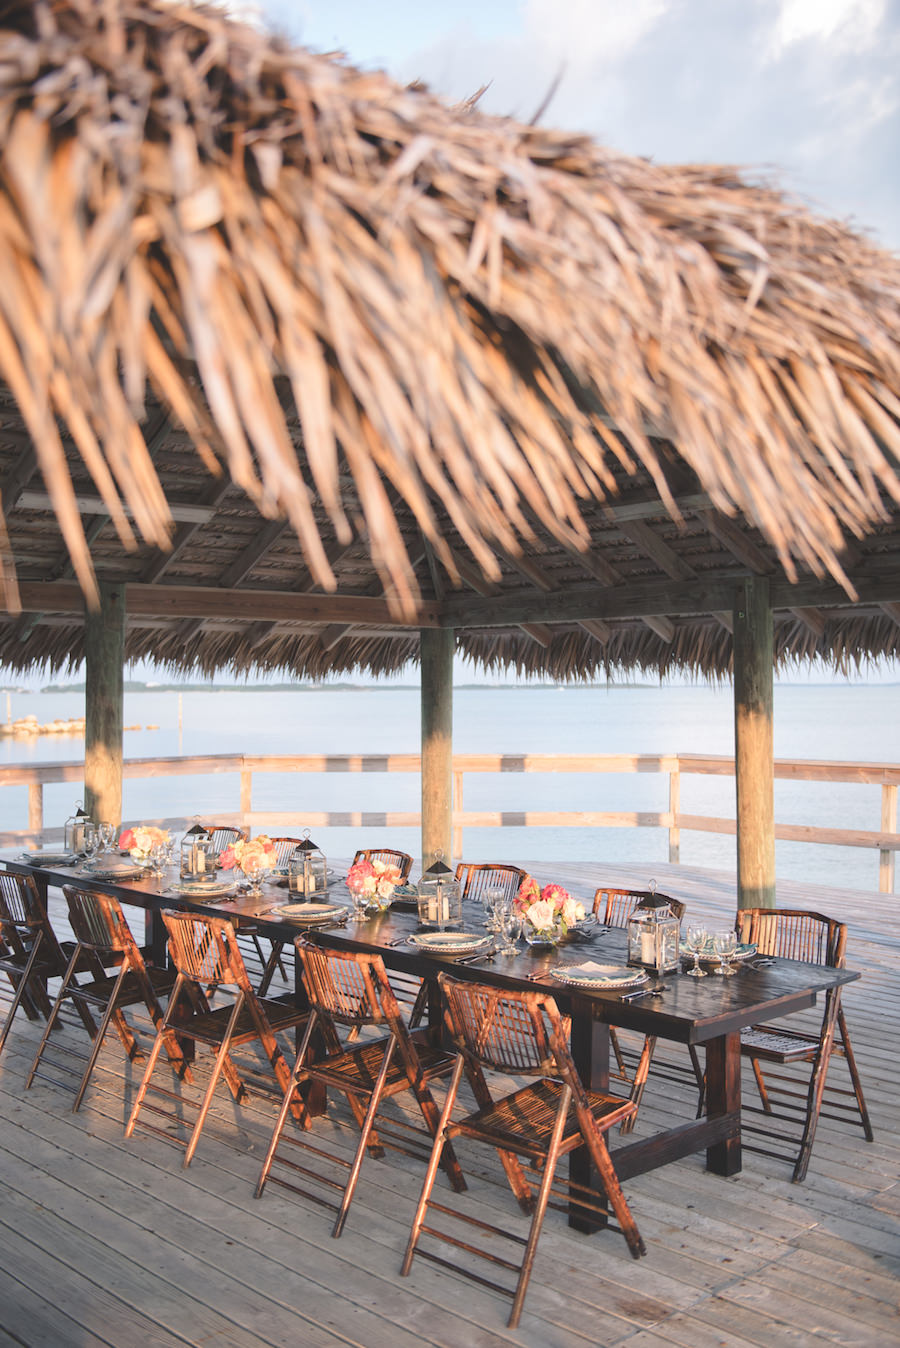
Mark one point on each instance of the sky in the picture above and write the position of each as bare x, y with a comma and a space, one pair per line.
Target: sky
802, 92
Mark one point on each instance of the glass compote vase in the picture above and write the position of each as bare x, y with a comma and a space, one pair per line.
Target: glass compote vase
548, 935
255, 870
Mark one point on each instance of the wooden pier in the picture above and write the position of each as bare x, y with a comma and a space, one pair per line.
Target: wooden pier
107, 1241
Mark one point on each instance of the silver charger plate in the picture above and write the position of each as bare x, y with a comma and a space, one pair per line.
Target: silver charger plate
609, 976
49, 858
312, 912
215, 889
449, 942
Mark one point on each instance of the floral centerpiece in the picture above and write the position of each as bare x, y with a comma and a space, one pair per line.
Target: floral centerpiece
548, 913
372, 883
141, 841
254, 856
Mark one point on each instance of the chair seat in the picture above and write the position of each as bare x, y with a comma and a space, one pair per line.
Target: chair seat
357, 1068
778, 1045
210, 1027
523, 1121
100, 990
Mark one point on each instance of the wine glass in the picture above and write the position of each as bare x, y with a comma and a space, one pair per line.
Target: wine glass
91, 843
695, 940
361, 902
255, 871
107, 837
507, 925
492, 899
159, 856
725, 945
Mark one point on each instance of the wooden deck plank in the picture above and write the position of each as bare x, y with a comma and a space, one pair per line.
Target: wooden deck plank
752, 1260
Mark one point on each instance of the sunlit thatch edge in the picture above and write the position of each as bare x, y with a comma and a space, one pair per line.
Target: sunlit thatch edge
462, 304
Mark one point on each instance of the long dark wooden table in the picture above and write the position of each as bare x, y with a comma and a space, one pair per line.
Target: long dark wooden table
708, 1013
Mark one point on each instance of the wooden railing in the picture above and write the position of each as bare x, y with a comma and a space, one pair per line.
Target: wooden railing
885, 840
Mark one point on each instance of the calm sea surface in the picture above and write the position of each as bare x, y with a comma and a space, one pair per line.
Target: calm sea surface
859, 722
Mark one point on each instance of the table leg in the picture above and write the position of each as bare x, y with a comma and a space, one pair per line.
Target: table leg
590, 1053
315, 1094
723, 1096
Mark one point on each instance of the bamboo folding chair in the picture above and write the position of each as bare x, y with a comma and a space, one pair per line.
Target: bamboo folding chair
204, 951
103, 936
812, 937
401, 859
613, 907
520, 1034
351, 989
223, 835
475, 877
30, 953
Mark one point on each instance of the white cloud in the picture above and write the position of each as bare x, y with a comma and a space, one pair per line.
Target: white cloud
855, 22
588, 31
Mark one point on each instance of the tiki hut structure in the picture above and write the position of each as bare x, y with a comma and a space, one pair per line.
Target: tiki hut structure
306, 371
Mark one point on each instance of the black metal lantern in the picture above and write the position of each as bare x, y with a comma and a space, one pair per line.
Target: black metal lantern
439, 901
196, 856
307, 870
73, 834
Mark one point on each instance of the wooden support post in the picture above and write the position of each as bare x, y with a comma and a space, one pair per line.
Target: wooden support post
104, 654
436, 646
246, 795
674, 808
754, 767
35, 808
888, 825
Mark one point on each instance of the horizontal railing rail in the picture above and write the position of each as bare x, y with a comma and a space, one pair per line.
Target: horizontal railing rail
885, 840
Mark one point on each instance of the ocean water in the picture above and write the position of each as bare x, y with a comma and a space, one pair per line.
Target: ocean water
855, 722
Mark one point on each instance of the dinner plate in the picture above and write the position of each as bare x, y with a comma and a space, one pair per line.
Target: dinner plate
449, 942
198, 889
311, 912
114, 872
49, 858
743, 951
593, 975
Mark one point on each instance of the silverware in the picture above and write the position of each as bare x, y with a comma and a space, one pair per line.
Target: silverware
475, 959
655, 991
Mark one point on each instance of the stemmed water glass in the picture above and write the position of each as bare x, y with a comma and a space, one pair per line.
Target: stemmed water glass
107, 837
508, 923
695, 940
159, 856
725, 945
492, 899
91, 844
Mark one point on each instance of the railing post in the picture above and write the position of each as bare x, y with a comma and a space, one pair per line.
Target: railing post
246, 794
674, 808
888, 825
457, 811
36, 808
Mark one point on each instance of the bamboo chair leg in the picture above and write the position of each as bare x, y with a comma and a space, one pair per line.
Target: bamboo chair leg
613, 1189
854, 1076
761, 1086
214, 1077
285, 1107
20, 986
155, 1050
434, 1161
641, 1073
365, 1131
540, 1207
617, 1050
52, 1018
99, 1037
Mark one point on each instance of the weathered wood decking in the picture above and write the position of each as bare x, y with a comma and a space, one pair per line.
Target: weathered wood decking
108, 1241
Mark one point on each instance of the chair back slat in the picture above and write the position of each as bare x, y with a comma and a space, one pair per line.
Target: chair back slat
20, 902
614, 907
350, 987
505, 1031
389, 854
224, 835
283, 849
97, 920
204, 949
794, 934
476, 876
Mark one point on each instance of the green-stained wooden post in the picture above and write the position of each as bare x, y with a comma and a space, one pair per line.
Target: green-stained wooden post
104, 655
754, 767
436, 648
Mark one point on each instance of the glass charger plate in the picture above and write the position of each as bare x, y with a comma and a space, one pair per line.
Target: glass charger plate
49, 858
311, 912
743, 951
198, 890
113, 872
599, 975
449, 942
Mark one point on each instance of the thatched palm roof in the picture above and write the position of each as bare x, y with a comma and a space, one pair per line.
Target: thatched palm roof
450, 350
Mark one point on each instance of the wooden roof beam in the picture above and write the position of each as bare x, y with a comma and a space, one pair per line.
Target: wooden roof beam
813, 618
600, 631
201, 601
737, 542
657, 549
893, 611
17, 479
663, 627
95, 505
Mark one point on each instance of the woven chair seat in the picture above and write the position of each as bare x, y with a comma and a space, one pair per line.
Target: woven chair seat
358, 1069
779, 1045
524, 1121
210, 1028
